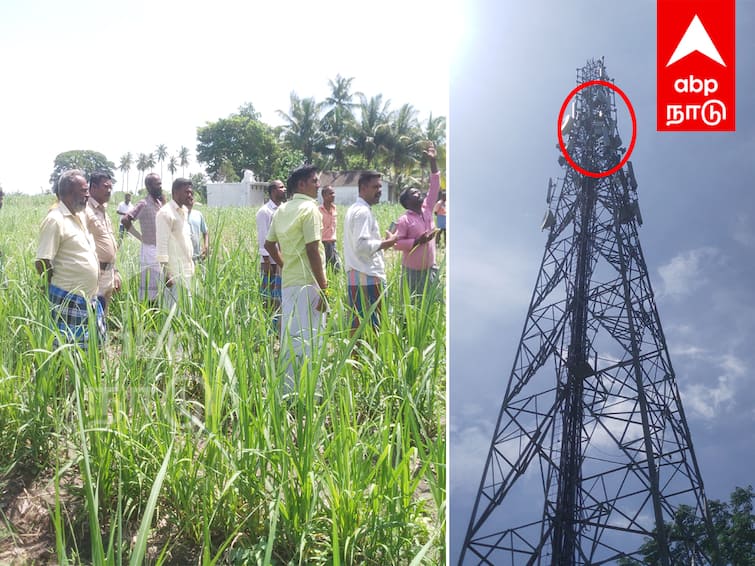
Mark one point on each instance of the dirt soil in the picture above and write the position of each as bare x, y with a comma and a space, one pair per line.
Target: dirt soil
27, 501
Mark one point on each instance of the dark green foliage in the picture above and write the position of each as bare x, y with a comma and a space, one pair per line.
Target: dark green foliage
733, 524
84, 159
286, 161
199, 182
240, 141
304, 130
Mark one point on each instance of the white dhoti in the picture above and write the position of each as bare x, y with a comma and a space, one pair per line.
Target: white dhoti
302, 327
151, 273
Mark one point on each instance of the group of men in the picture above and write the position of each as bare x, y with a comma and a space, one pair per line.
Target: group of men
77, 249
297, 240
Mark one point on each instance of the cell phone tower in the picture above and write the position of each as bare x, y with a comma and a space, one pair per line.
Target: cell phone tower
591, 456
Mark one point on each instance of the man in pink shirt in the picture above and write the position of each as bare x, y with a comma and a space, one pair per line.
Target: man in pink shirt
415, 233
329, 224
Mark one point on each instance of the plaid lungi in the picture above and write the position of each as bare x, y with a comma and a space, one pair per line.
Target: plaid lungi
271, 281
70, 313
364, 291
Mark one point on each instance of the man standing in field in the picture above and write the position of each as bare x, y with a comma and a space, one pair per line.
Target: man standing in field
415, 233
146, 212
173, 237
123, 209
363, 251
329, 224
200, 235
67, 260
439, 210
270, 274
101, 228
297, 229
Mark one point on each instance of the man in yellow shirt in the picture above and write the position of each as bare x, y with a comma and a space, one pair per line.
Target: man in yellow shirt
67, 259
297, 229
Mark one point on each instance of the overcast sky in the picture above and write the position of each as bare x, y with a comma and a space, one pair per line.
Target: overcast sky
117, 76
515, 66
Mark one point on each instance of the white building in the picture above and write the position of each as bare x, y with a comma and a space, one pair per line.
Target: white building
346, 186
253, 193
236, 194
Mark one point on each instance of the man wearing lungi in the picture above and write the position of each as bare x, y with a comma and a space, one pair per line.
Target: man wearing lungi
67, 260
145, 211
363, 251
270, 275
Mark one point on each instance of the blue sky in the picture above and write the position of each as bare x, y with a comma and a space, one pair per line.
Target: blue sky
515, 65
118, 76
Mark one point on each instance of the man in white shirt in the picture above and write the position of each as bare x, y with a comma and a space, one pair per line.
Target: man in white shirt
173, 242
123, 209
270, 274
363, 252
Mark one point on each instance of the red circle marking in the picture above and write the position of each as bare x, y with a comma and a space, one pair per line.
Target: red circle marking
562, 145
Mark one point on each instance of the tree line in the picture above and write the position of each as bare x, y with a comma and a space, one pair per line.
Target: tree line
348, 130
733, 526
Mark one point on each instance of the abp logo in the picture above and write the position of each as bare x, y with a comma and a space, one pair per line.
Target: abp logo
695, 65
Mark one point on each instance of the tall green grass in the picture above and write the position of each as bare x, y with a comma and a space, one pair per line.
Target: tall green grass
185, 447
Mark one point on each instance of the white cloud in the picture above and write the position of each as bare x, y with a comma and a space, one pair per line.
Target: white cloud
686, 350
688, 271
470, 434
709, 401
742, 230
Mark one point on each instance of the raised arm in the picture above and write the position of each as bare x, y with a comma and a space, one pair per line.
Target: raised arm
432, 154
434, 190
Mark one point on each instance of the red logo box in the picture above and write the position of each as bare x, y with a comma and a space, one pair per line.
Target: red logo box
695, 66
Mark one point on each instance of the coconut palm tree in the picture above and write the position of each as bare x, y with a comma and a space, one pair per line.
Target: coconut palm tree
337, 123
172, 166
435, 131
183, 155
150, 161
125, 166
162, 153
302, 130
142, 164
403, 146
370, 132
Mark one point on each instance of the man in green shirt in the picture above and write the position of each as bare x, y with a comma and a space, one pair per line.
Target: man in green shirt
297, 229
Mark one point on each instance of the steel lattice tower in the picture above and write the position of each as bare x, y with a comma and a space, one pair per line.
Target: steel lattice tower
591, 454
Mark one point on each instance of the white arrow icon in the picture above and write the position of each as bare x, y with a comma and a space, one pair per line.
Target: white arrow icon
696, 39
